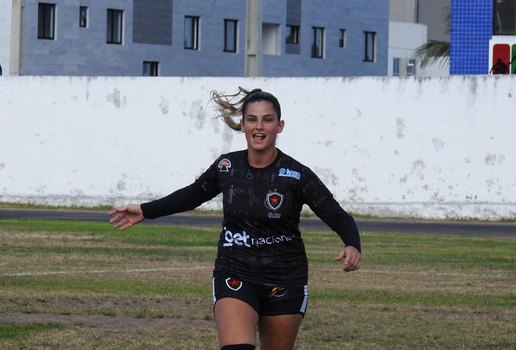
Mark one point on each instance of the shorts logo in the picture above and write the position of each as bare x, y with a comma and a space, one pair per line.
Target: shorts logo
273, 200
224, 165
233, 283
278, 292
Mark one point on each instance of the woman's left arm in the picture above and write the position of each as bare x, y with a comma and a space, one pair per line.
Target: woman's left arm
352, 258
324, 205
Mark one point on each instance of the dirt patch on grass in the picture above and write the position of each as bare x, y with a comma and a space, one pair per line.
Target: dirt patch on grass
121, 322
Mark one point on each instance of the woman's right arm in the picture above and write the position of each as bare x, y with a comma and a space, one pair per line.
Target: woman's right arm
184, 199
126, 216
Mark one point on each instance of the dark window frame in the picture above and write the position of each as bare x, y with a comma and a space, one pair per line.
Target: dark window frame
192, 32
114, 26
504, 17
343, 33
46, 21
234, 38
396, 65
293, 34
369, 46
150, 68
318, 42
83, 16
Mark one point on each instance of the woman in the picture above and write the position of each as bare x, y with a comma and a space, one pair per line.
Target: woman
260, 277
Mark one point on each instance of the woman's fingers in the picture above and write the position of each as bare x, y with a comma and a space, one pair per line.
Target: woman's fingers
352, 258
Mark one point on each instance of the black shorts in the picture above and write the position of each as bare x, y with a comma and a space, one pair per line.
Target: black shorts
266, 300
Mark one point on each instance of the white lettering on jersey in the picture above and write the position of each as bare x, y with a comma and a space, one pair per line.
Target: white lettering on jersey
289, 173
239, 239
243, 239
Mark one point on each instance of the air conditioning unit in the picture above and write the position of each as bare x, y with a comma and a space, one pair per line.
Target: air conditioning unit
410, 69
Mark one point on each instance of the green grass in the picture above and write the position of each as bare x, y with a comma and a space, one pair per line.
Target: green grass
16, 331
78, 285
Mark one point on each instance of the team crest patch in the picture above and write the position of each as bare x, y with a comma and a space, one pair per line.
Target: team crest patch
273, 200
233, 283
224, 165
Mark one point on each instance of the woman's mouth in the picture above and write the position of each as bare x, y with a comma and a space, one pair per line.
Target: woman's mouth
259, 136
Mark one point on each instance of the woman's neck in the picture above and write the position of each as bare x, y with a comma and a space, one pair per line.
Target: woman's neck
261, 160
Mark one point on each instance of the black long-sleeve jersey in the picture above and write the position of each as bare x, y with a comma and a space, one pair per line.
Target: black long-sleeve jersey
260, 240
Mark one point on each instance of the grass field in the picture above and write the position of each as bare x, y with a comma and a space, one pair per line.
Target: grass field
76, 285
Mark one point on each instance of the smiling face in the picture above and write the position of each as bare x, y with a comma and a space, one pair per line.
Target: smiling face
261, 126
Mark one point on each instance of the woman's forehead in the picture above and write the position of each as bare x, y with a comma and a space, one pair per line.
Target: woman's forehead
260, 107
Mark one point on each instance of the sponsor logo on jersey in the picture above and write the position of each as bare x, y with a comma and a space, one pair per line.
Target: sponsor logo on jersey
277, 292
239, 239
224, 165
243, 239
233, 283
289, 173
273, 200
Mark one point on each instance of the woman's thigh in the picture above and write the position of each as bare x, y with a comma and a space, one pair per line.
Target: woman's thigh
236, 322
279, 332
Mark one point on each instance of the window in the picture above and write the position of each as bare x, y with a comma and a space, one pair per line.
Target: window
318, 42
293, 35
342, 38
271, 39
191, 33
230, 35
370, 46
504, 20
396, 66
46, 21
83, 16
150, 69
411, 67
114, 28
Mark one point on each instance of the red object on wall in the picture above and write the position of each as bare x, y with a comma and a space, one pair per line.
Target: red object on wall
501, 59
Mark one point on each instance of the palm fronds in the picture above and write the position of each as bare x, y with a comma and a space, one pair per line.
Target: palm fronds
433, 51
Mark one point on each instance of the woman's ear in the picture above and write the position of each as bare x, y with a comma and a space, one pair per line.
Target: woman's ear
281, 125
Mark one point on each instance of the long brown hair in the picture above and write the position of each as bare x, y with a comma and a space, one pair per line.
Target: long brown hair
229, 109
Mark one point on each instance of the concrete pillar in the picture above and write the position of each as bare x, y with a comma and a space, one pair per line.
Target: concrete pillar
253, 47
5, 36
16, 38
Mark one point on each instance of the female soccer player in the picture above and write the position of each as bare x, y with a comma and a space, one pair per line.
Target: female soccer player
260, 277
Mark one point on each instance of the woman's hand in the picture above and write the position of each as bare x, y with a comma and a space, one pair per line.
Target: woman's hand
352, 258
126, 216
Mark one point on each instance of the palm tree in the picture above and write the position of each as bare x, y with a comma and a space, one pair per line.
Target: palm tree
434, 50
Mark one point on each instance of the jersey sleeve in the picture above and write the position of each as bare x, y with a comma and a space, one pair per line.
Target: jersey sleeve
321, 201
187, 198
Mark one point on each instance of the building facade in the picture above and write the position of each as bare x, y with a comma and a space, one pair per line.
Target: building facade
412, 24
483, 37
198, 37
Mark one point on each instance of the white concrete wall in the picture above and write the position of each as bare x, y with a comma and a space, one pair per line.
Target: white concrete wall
429, 148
